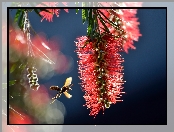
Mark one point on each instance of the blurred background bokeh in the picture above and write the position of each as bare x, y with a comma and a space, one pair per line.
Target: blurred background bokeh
145, 101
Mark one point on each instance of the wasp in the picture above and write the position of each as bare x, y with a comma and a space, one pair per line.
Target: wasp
65, 89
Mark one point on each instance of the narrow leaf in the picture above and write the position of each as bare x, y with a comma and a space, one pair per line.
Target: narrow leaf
21, 21
90, 23
89, 30
77, 10
13, 68
84, 15
37, 12
91, 20
17, 15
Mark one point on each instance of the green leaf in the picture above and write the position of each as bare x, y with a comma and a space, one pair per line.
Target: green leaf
17, 15
84, 15
90, 24
91, 20
77, 10
37, 12
89, 30
77, 4
13, 68
12, 82
21, 20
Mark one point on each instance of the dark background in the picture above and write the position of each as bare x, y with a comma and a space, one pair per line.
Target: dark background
145, 71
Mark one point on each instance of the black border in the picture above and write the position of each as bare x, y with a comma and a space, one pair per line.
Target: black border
8, 8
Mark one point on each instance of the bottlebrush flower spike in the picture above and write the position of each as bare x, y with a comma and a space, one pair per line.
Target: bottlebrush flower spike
100, 71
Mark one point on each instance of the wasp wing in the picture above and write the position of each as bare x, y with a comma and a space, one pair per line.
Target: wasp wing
68, 81
67, 94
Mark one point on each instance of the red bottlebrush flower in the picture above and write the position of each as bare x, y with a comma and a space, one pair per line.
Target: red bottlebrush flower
49, 15
101, 71
126, 25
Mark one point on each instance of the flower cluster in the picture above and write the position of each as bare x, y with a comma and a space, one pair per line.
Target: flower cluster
48, 15
100, 66
124, 25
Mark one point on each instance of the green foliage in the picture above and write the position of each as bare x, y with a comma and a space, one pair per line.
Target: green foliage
77, 10
90, 23
19, 18
87, 15
17, 15
21, 21
84, 15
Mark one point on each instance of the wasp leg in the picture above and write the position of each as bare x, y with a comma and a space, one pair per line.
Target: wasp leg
57, 96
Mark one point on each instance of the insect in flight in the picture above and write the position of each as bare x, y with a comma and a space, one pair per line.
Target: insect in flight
65, 89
